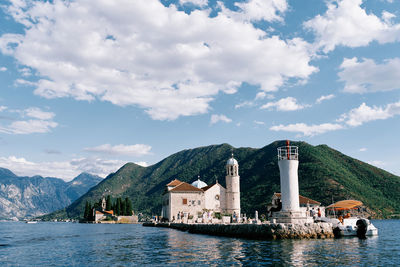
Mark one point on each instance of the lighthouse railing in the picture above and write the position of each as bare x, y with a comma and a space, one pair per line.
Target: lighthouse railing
288, 153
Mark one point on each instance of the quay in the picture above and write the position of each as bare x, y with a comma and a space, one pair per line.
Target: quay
265, 231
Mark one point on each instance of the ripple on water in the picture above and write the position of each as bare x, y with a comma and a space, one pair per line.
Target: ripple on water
53, 244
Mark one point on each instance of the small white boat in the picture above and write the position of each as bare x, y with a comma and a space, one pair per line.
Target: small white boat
354, 226
31, 221
351, 226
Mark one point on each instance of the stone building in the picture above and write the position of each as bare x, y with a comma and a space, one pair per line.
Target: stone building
195, 200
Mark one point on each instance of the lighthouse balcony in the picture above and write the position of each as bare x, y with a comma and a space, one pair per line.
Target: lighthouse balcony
288, 153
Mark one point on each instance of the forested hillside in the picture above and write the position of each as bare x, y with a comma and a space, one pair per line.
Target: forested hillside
324, 174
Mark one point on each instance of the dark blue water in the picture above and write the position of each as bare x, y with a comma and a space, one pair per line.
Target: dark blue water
72, 244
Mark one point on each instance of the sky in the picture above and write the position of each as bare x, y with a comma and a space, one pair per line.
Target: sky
88, 85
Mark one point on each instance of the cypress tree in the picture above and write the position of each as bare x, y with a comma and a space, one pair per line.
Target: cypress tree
108, 203
87, 211
118, 207
123, 207
90, 212
128, 206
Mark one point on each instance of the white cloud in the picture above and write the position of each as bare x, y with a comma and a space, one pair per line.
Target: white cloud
366, 76
28, 127
41, 122
355, 117
37, 113
199, 3
263, 95
307, 130
2, 69
245, 104
259, 122
347, 23
24, 82
324, 97
363, 149
216, 118
133, 150
257, 10
142, 53
284, 104
2, 108
364, 113
66, 170
142, 163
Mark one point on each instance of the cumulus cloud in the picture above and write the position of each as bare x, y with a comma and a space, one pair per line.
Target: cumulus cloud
217, 118
257, 10
364, 113
66, 170
324, 97
40, 122
346, 23
354, 118
365, 76
142, 53
132, 150
2, 108
199, 3
363, 149
284, 104
308, 130
2, 69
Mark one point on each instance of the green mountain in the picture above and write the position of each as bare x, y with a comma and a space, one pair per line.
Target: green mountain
324, 174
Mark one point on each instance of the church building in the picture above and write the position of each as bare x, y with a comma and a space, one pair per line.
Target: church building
180, 198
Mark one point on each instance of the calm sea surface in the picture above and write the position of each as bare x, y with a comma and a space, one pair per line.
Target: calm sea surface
72, 244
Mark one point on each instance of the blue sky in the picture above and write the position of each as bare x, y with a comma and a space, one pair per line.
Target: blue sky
90, 85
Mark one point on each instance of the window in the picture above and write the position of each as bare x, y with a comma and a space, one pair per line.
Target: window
184, 201
199, 202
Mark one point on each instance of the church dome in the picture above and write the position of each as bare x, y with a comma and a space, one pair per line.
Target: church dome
232, 161
199, 183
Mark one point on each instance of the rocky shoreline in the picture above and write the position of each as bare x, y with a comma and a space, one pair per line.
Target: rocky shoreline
255, 231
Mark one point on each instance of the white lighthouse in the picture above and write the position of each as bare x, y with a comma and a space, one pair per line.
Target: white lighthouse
232, 180
288, 161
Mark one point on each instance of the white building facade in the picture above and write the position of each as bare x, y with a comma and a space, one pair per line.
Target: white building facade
183, 201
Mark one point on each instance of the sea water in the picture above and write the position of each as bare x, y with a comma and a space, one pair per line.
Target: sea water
73, 244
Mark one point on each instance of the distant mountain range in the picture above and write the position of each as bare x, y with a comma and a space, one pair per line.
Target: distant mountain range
22, 197
325, 174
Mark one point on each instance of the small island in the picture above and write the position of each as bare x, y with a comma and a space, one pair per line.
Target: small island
108, 211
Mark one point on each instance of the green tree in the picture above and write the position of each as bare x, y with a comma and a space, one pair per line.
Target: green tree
87, 211
128, 207
123, 207
108, 203
118, 207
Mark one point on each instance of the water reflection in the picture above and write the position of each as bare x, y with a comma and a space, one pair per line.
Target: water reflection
186, 248
126, 245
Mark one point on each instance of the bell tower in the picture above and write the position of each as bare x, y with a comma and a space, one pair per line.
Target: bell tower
232, 180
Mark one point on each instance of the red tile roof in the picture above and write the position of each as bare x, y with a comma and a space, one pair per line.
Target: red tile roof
109, 212
302, 200
207, 187
185, 187
175, 182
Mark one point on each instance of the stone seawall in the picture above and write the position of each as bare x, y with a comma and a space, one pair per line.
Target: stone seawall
256, 231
